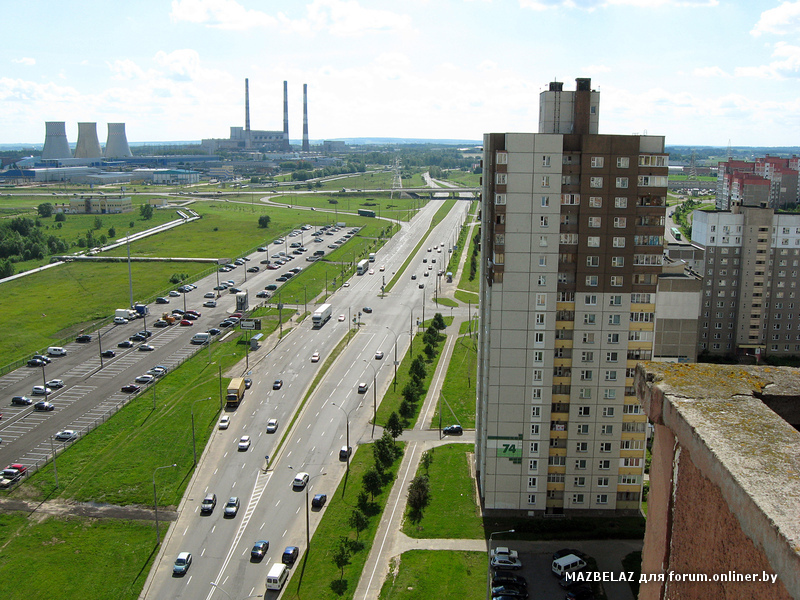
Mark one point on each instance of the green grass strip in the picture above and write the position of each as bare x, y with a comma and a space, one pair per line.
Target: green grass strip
440, 574
466, 297
458, 387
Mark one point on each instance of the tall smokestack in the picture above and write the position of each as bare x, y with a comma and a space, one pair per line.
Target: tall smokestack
55, 141
247, 105
117, 141
286, 145
305, 118
87, 146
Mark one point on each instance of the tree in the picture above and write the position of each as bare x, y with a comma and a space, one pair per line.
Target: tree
393, 425
112, 232
372, 482
418, 493
417, 369
341, 555
98, 223
146, 211
429, 351
411, 391
264, 221
60, 217
426, 459
358, 521
6, 268
406, 409
384, 451
45, 209
438, 322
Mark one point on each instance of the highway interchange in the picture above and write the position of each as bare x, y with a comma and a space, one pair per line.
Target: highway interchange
270, 508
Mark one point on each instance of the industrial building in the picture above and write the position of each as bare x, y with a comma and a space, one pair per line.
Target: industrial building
572, 235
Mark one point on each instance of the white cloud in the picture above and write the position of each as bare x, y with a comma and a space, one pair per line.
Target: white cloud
781, 20
220, 14
708, 72
591, 5
347, 18
786, 67
125, 69
25, 60
181, 65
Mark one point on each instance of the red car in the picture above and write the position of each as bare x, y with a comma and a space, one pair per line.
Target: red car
130, 388
186, 323
237, 315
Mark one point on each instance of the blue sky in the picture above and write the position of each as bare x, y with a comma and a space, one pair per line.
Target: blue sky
700, 72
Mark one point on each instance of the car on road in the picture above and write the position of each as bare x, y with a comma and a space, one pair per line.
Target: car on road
55, 384
210, 303
379, 355
362, 388
248, 383
382, 269
341, 318
278, 384
290, 555
413, 276
214, 331
186, 323
146, 348
120, 320
45, 359
453, 430
509, 591
84, 338
367, 309
421, 286
271, 287
182, 564
130, 388
208, 295
315, 357
244, 442
174, 294
67, 435
161, 323
319, 500
345, 452
259, 549
221, 287
300, 481
224, 422
136, 337
262, 294
208, 503
503, 562
21, 401
508, 578
272, 425
145, 378
36, 362
253, 269
162, 300
232, 506
125, 344
44, 406
157, 371
372, 271
40, 390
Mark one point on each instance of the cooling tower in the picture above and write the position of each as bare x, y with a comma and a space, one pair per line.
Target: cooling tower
87, 145
55, 141
286, 145
305, 118
117, 142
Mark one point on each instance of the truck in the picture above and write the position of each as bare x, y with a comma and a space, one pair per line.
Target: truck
141, 309
126, 313
371, 257
321, 315
235, 392
363, 267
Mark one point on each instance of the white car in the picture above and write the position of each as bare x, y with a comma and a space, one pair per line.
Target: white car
224, 422
55, 384
174, 294
244, 442
272, 425
67, 435
379, 355
383, 268
315, 357
210, 303
208, 295
145, 378
362, 388
120, 320
341, 317
300, 480
40, 390
372, 271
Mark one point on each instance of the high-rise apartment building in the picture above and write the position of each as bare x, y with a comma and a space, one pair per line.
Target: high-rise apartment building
572, 238
769, 182
751, 287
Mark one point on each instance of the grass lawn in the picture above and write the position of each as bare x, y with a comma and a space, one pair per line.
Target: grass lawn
465, 283
465, 325
464, 178
459, 385
101, 559
445, 301
452, 511
348, 204
315, 575
441, 574
466, 297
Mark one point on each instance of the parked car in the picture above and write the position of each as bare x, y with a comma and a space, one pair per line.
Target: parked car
67, 435
84, 338
182, 563
146, 348
509, 591
35, 362
109, 353
508, 578
130, 388
44, 406
319, 500
125, 344
186, 323
162, 300
453, 430
502, 562
362, 388
55, 384
379, 355
40, 390
145, 378
259, 550
210, 303
367, 309
345, 452
289, 555
315, 357
214, 331
21, 401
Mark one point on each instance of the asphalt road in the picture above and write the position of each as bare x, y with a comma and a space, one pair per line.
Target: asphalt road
270, 508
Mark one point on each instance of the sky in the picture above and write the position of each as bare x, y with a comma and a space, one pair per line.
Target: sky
699, 72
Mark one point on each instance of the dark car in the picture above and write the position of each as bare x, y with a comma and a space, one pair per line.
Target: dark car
508, 591
162, 300
226, 323
232, 507
130, 388
282, 278
208, 503
259, 549
502, 578
252, 270
290, 555
278, 384
125, 344
42, 358
35, 362
367, 309
319, 500
566, 552
43, 406
145, 332
247, 383
453, 430
108, 354
584, 592
83, 339
21, 400
214, 331
137, 337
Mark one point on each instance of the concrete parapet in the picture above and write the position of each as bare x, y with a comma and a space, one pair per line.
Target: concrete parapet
724, 498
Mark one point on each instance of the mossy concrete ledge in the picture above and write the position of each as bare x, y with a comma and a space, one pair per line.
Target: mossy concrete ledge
725, 479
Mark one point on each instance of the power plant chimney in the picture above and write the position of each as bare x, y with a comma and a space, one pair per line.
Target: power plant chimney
305, 118
286, 146
87, 146
55, 141
247, 113
117, 142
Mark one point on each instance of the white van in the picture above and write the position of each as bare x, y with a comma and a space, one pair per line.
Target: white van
56, 351
277, 576
567, 564
201, 338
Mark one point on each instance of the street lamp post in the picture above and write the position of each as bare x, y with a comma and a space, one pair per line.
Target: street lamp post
155, 499
347, 425
194, 444
308, 508
374, 396
489, 570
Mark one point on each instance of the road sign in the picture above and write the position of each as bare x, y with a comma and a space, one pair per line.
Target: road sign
247, 324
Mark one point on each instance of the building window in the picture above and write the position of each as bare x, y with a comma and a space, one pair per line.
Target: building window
621, 202
534, 448
579, 481
608, 411
623, 162
541, 299
542, 280
586, 375
545, 201
542, 240
595, 201
592, 261
535, 430
537, 393
594, 222
536, 412
616, 281
613, 338
501, 178
546, 181
583, 429
585, 394
610, 394
537, 374
591, 280
532, 482
539, 337
584, 411
620, 222
597, 162
582, 447
622, 182
615, 300
590, 300
617, 261
545, 160
531, 499
499, 198
594, 182
588, 338
540, 319
611, 356
578, 498
502, 158
611, 375
592, 241
618, 242
602, 482
589, 319
602, 498
538, 356
543, 221
543, 260
604, 465
587, 356
607, 430
605, 447
580, 464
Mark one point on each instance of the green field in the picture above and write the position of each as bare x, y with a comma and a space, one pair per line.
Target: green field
328, 207
465, 283
459, 385
440, 574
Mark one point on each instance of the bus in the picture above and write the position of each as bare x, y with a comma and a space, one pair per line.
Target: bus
676, 233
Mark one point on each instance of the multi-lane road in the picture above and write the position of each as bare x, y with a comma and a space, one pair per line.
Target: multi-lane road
270, 508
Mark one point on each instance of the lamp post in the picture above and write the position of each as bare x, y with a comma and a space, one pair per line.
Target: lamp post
347, 424
489, 570
374, 396
55, 470
308, 508
395, 354
155, 499
194, 445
